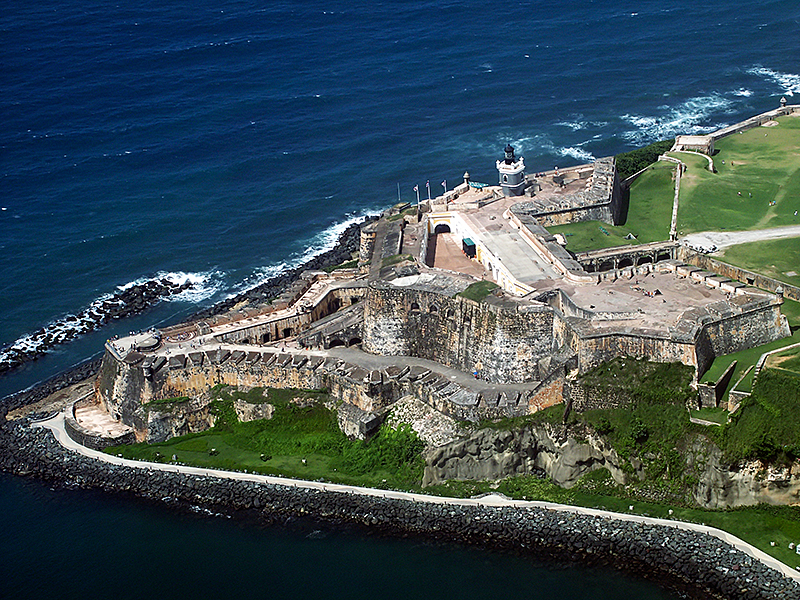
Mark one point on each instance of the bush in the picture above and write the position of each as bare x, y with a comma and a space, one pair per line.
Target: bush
634, 161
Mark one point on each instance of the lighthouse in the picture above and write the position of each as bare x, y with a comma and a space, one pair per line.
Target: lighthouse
512, 173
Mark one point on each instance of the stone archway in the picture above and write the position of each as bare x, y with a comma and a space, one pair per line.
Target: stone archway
441, 228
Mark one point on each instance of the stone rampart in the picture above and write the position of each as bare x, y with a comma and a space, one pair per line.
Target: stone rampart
709, 394
502, 343
737, 273
92, 439
601, 200
755, 121
278, 328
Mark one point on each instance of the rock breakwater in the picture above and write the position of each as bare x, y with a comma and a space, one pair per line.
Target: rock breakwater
701, 565
126, 302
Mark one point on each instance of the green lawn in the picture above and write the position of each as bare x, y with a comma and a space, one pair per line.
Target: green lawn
479, 290
791, 309
745, 358
786, 361
302, 441
762, 164
649, 215
779, 259
714, 415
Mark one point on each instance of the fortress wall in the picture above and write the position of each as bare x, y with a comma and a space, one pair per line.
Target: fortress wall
755, 121
598, 349
502, 344
585, 397
738, 274
759, 323
600, 212
295, 323
124, 390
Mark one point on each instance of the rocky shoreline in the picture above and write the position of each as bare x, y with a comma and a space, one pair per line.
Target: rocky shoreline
342, 252
124, 303
696, 564
138, 298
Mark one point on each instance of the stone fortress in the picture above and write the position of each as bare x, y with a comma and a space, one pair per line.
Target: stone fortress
399, 324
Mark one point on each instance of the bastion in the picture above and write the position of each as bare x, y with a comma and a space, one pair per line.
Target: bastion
466, 302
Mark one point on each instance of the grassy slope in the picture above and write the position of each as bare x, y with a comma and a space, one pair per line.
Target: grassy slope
649, 215
299, 441
763, 162
745, 358
773, 258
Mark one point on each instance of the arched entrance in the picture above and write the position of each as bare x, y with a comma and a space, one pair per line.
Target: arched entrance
441, 228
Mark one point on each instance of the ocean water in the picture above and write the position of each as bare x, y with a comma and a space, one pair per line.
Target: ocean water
221, 143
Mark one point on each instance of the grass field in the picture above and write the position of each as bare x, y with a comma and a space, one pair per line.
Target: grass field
762, 164
788, 361
301, 440
713, 415
762, 168
649, 215
779, 259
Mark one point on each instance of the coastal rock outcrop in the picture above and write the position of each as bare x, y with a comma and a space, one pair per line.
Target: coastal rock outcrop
721, 485
490, 454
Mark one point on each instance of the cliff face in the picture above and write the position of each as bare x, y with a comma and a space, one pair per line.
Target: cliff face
723, 486
490, 454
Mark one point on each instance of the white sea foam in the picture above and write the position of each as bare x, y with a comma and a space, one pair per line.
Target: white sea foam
578, 154
742, 92
68, 327
788, 82
322, 242
688, 117
578, 123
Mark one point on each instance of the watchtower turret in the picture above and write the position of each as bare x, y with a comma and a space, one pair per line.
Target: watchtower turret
512, 173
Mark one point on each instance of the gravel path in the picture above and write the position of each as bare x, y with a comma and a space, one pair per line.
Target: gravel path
710, 240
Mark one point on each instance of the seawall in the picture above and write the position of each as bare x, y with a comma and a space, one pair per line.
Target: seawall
699, 564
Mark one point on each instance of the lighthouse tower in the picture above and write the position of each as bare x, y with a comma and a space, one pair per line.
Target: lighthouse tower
512, 173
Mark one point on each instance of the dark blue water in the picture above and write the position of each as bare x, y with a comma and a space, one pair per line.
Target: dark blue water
86, 545
222, 143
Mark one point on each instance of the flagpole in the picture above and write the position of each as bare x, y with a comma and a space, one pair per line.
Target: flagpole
428, 185
398, 192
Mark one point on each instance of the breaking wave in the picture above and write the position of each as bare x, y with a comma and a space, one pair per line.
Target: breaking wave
788, 82
322, 242
127, 300
689, 117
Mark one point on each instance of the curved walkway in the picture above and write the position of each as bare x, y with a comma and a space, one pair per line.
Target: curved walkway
56, 425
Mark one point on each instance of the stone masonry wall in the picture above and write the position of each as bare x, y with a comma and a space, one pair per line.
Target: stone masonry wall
502, 344
738, 274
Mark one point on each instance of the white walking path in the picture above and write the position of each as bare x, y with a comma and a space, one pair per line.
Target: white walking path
56, 425
725, 239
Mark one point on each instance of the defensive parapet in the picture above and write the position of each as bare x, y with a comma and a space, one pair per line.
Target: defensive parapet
599, 200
